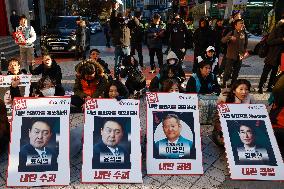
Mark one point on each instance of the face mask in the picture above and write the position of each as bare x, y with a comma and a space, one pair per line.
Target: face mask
172, 61
48, 92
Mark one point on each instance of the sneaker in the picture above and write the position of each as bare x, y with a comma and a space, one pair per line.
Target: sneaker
152, 71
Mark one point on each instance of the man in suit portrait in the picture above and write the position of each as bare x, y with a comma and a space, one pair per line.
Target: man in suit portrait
174, 146
108, 152
248, 152
36, 156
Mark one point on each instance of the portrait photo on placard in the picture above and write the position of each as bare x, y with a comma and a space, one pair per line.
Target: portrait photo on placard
5, 95
39, 145
111, 143
250, 142
174, 136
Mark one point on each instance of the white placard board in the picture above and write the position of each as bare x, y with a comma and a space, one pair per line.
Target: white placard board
173, 134
39, 148
111, 149
251, 147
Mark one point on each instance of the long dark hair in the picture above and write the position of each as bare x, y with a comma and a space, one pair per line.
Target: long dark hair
231, 96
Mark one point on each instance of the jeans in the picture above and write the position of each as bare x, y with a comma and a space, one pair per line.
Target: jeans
26, 56
119, 53
232, 67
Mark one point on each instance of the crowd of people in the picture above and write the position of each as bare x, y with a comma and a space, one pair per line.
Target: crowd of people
94, 79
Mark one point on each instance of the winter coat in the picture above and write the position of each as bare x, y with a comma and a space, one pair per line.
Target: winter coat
136, 31
30, 35
198, 84
203, 38
81, 37
54, 72
178, 72
119, 30
94, 88
178, 34
276, 45
155, 35
237, 47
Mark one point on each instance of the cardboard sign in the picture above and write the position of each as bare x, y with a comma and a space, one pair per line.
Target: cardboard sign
250, 143
111, 150
39, 148
173, 134
5, 95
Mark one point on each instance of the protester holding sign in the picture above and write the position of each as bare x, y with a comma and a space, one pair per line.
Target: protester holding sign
90, 83
239, 94
171, 85
46, 87
26, 46
116, 89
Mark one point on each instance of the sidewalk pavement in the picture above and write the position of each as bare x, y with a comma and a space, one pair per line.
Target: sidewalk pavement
216, 172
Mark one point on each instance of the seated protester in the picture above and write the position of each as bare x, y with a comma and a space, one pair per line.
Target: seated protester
116, 89
239, 94
156, 83
4, 127
95, 56
49, 68
90, 83
203, 81
47, 86
135, 80
43, 88
171, 85
211, 58
14, 67
175, 66
276, 113
171, 70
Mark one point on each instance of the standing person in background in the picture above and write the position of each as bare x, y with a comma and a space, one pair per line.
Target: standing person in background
27, 49
178, 35
218, 36
107, 35
137, 33
120, 34
202, 38
80, 39
155, 35
14, 20
237, 44
273, 59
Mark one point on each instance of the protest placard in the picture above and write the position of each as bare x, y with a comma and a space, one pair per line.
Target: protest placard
251, 147
5, 94
111, 150
173, 134
39, 148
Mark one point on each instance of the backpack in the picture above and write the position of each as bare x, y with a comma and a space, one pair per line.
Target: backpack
263, 47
